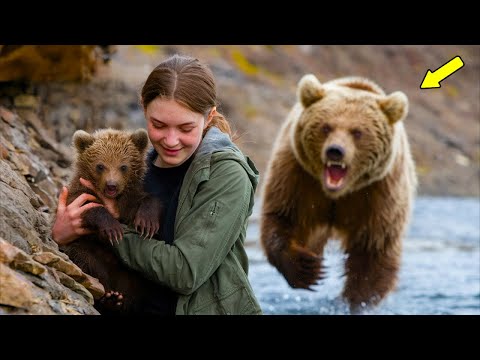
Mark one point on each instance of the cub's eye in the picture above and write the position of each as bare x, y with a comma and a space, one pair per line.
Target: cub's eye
124, 168
357, 134
100, 167
326, 129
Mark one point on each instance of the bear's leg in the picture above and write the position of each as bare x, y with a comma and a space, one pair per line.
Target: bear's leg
301, 267
99, 261
101, 221
148, 216
371, 275
299, 261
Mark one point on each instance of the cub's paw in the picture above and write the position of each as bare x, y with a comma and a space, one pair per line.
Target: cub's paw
111, 301
111, 231
147, 218
302, 268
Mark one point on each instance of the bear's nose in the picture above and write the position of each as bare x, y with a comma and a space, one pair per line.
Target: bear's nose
335, 153
111, 186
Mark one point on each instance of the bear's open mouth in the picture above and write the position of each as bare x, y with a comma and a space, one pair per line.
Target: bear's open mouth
335, 173
111, 191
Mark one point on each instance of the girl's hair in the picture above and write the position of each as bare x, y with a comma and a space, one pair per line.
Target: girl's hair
189, 82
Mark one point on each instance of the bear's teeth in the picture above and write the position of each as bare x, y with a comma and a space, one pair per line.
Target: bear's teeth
332, 163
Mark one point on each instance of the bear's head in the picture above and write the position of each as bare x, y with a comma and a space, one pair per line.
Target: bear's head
346, 132
113, 160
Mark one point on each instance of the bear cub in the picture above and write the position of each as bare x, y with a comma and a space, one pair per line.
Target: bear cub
114, 162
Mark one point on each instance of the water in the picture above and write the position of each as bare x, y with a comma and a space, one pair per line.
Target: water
440, 272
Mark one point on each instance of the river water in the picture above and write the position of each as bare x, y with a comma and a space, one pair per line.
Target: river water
440, 271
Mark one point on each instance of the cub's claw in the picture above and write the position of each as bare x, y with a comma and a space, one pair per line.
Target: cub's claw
147, 218
112, 232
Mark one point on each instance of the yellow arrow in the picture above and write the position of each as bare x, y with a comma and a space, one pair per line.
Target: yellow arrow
432, 79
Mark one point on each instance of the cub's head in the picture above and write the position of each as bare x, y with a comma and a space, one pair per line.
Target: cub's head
113, 160
345, 133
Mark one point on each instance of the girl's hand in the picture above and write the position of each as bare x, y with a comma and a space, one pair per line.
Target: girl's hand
68, 220
110, 204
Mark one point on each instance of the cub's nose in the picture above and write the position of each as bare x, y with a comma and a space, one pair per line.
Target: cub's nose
335, 153
111, 186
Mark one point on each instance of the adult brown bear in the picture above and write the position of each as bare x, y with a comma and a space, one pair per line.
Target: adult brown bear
341, 168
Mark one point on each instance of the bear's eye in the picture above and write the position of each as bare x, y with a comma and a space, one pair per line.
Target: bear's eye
326, 129
100, 167
357, 134
124, 168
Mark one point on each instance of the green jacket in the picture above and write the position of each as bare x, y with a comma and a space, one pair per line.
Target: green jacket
207, 264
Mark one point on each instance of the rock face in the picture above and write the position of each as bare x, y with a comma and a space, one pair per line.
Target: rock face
35, 277
43, 283
37, 120
48, 92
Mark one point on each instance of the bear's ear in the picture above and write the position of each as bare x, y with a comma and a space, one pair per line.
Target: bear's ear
82, 140
140, 139
310, 90
395, 106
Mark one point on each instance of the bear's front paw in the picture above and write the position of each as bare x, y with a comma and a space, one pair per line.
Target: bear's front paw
147, 218
111, 231
301, 267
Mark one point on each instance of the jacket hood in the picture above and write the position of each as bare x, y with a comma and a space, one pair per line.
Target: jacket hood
219, 144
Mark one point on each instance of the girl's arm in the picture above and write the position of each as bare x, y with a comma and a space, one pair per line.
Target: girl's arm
204, 237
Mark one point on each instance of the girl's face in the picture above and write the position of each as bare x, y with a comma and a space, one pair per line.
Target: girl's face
174, 130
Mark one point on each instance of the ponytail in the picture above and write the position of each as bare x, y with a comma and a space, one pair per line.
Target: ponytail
219, 121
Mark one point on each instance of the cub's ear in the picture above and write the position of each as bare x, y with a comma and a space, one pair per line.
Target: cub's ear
309, 90
82, 140
140, 139
395, 106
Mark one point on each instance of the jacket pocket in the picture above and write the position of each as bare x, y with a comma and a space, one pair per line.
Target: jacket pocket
210, 220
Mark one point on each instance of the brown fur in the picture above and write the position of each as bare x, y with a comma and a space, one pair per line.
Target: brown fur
369, 213
111, 158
